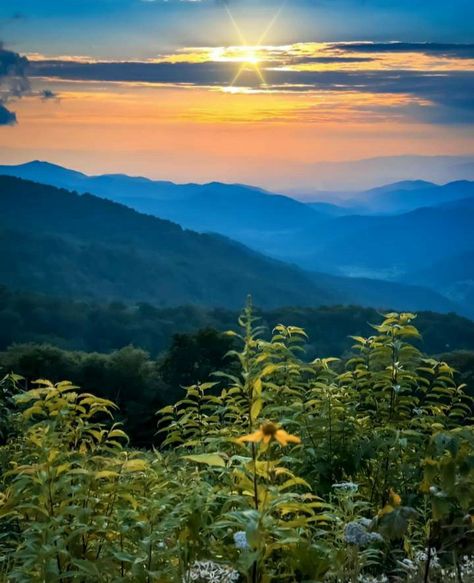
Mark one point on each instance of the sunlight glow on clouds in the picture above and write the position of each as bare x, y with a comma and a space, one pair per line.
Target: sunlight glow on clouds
331, 56
428, 81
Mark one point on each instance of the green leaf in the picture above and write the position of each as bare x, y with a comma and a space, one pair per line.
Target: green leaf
256, 408
136, 465
106, 474
210, 459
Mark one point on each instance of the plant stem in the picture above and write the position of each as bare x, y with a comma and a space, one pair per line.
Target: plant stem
426, 577
457, 567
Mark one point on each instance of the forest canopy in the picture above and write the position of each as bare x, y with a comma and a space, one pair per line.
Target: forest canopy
93, 326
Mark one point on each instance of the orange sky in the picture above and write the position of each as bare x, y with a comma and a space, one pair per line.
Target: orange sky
198, 134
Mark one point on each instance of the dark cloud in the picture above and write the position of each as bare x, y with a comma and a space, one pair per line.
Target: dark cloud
7, 118
13, 82
304, 60
449, 96
46, 94
208, 73
459, 51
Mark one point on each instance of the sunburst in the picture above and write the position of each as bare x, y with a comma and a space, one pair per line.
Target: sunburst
251, 55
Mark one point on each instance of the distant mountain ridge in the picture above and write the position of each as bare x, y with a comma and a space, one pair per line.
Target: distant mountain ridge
363, 174
172, 200
245, 213
248, 214
452, 275
54, 241
403, 197
401, 243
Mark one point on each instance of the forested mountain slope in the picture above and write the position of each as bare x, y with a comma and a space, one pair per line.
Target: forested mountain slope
60, 242
82, 246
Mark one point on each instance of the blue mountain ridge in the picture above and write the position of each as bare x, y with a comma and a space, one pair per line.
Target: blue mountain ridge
374, 238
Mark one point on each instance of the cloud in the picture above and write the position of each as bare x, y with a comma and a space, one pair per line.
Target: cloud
208, 73
436, 81
460, 51
7, 117
47, 94
330, 60
13, 82
446, 98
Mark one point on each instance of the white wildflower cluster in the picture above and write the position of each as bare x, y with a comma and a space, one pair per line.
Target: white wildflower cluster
210, 572
422, 557
372, 579
466, 571
364, 579
357, 533
240, 540
346, 486
414, 569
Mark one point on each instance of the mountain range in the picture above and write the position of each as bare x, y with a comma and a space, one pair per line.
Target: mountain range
59, 242
408, 195
397, 233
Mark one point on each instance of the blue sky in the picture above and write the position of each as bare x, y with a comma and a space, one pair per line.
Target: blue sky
139, 28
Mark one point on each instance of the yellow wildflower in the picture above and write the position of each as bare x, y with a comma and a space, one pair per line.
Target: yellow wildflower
394, 498
394, 501
267, 432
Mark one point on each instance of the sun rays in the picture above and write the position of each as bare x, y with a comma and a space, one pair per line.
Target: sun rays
251, 56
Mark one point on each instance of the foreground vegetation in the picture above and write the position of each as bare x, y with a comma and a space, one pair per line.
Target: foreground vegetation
277, 470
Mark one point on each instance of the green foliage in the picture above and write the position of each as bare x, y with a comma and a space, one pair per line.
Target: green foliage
127, 376
462, 361
8, 389
194, 357
275, 469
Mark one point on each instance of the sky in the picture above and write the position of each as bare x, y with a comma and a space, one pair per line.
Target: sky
240, 91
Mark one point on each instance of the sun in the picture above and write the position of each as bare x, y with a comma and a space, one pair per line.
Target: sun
249, 59
250, 56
